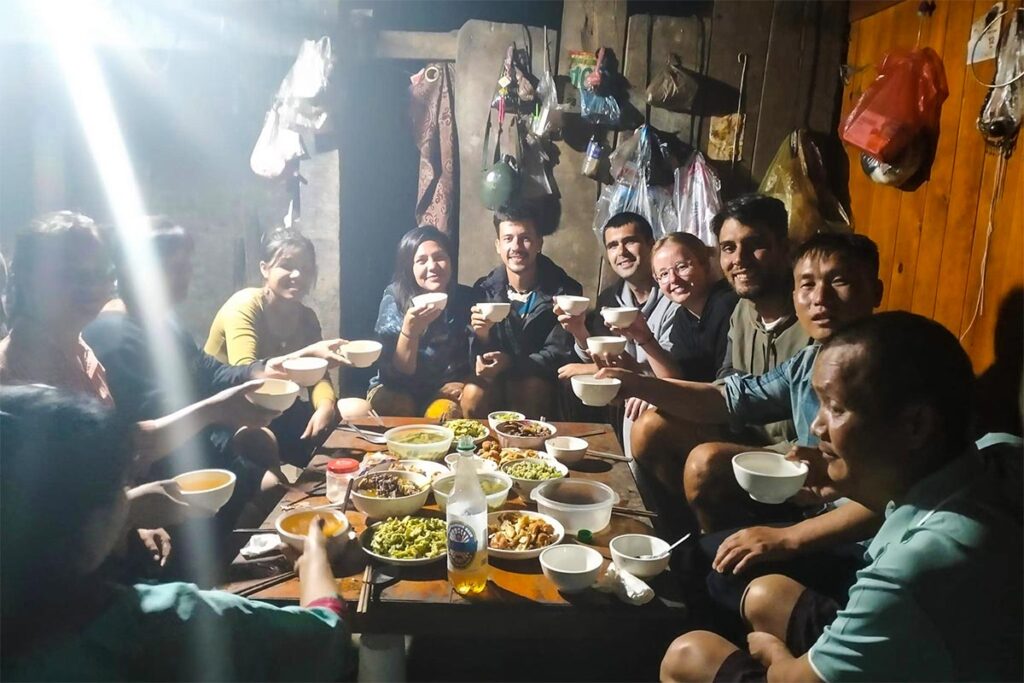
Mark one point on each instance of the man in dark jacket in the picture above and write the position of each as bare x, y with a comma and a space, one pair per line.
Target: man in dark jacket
524, 351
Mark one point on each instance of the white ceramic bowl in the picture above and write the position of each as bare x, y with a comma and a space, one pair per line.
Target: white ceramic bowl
305, 371
572, 568
353, 408
432, 299
534, 442
494, 311
443, 487
497, 417
572, 305
380, 508
566, 449
207, 489
362, 353
627, 549
482, 464
432, 470
576, 503
275, 394
525, 486
593, 391
620, 316
768, 477
298, 541
610, 345
419, 451
557, 536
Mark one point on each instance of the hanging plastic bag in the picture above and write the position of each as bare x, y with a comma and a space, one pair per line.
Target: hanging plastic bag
535, 168
516, 88
546, 120
797, 177
632, 190
674, 87
697, 198
1003, 110
903, 101
587, 72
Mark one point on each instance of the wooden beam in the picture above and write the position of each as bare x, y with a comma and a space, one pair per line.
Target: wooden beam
861, 9
422, 45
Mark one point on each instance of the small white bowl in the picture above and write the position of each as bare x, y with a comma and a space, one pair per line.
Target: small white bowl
482, 464
610, 345
432, 299
494, 311
443, 487
566, 449
298, 541
353, 408
380, 508
305, 371
275, 394
207, 489
525, 486
362, 353
572, 568
534, 442
572, 305
620, 316
768, 477
593, 391
497, 417
627, 549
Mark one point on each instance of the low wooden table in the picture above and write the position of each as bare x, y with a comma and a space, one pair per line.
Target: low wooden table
519, 600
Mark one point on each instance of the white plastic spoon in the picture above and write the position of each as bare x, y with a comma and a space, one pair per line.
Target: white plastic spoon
664, 552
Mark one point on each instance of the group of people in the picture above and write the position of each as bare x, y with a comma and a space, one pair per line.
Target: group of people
872, 571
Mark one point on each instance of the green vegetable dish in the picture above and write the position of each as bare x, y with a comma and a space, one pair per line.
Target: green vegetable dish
466, 428
534, 471
419, 438
410, 538
505, 417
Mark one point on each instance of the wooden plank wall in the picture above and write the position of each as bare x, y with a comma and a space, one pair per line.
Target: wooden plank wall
932, 240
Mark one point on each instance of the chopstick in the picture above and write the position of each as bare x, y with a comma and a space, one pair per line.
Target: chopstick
365, 590
609, 456
254, 531
590, 433
631, 511
268, 583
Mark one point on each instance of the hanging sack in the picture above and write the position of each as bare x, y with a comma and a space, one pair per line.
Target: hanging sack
675, 87
1003, 110
588, 73
904, 100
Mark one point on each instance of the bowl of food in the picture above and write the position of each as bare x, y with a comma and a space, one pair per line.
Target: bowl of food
566, 449
620, 316
361, 353
572, 305
305, 371
275, 394
390, 494
576, 503
494, 311
572, 568
639, 554
431, 299
529, 473
521, 535
593, 391
768, 477
612, 346
496, 418
472, 428
431, 470
482, 464
524, 433
492, 451
293, 526
406, 540
207, 489
419, 442
496, 486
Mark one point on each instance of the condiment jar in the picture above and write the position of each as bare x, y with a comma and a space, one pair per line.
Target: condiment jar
339, 472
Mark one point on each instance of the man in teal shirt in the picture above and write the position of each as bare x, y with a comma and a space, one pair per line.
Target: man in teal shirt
941, 596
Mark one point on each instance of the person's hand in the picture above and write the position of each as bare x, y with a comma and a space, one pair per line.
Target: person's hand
492, 364
480, 324
576, 325
418, 318
766, 648
629, 380
233, 408
159, 504
636, 407
637, 331
574, 369
326, 349
314, 548
158, 543
751, 546
818, 489
618, 360
324, 419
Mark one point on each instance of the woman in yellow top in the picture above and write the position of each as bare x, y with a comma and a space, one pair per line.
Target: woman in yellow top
260, 322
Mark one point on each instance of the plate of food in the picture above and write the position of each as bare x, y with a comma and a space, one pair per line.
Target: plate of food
524, 433
492, 451
406, 541
428, 468
472, 428
521, 535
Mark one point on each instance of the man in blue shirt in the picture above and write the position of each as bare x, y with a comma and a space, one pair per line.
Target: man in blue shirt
941, 596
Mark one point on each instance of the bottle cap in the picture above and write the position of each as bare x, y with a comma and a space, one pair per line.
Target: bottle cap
584, 536
465, 443
342, 466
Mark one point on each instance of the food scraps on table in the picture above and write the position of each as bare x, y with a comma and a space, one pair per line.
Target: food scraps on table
410, 538
517, 531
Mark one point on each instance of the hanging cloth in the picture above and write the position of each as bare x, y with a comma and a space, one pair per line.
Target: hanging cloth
432, 110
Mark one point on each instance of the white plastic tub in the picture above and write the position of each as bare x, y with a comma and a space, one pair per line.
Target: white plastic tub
576, 503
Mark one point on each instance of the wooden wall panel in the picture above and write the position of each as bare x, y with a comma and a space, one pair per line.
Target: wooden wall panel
932, 240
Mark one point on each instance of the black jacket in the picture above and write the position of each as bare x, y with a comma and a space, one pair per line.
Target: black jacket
537, 343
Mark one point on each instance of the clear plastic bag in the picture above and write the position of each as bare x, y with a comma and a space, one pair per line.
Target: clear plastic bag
1003, 110
632, 191
697, 198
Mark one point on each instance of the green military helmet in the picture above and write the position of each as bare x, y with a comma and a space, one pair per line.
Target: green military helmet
500, 183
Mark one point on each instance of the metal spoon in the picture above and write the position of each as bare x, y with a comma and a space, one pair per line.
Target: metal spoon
664, 552
365, 436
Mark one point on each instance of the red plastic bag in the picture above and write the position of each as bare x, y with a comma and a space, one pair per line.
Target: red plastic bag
904, 100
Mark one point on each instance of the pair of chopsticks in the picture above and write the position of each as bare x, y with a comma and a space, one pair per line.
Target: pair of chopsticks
265, 584
608, 456
636, 513
365, 590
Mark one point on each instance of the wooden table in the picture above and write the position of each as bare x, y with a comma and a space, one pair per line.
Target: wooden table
519, 600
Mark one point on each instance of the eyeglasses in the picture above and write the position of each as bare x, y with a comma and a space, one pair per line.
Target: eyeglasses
680, 269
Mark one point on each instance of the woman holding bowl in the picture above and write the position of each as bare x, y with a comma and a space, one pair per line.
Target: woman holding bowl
425, 366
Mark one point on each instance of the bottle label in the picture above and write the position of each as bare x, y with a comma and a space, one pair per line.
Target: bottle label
462, 545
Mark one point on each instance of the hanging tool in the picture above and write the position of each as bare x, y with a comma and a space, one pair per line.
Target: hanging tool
737, 137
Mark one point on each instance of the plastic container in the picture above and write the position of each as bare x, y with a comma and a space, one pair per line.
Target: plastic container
576, 503
419, 451
339, 472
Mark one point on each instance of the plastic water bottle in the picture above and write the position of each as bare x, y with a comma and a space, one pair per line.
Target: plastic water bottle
467, 526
